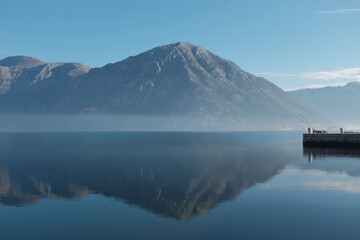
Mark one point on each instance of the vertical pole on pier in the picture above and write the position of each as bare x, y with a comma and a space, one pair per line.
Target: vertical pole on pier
309, 130
310, 158
341, 130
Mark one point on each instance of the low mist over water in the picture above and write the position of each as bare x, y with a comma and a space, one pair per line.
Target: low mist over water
93, 122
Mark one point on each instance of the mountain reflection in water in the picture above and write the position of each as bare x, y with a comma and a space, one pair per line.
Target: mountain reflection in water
178, 177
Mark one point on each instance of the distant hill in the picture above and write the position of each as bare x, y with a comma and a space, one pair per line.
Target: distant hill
178, 79
335, 103
28, 85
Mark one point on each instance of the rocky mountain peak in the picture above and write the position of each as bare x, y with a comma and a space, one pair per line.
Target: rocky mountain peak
188, 49
20, 61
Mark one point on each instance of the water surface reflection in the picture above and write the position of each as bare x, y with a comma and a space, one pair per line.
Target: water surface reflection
175, 186
176, 175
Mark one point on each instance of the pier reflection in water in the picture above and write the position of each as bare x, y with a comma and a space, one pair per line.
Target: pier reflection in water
175, 186
346, 160
322, 152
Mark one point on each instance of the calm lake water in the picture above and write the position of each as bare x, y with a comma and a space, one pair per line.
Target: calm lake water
259, 185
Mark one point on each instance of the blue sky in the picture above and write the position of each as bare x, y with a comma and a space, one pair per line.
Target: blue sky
293, 43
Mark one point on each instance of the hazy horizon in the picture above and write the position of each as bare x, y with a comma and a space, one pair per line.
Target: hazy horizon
139, 123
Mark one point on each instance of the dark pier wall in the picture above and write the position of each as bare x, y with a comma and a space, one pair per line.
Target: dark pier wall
332, 140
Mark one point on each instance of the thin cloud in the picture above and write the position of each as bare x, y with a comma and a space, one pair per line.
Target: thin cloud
341, 11
276, 74
348, 73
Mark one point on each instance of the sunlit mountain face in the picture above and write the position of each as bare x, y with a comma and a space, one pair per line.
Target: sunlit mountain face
179, 177
174, 80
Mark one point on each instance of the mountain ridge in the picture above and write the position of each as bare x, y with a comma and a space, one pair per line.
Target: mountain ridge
333, 102
174, 79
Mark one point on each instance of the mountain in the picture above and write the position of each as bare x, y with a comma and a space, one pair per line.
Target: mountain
178, 79
335, 103
20, 61
28, 85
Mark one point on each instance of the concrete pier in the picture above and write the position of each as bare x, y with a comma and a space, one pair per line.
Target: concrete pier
331, 140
